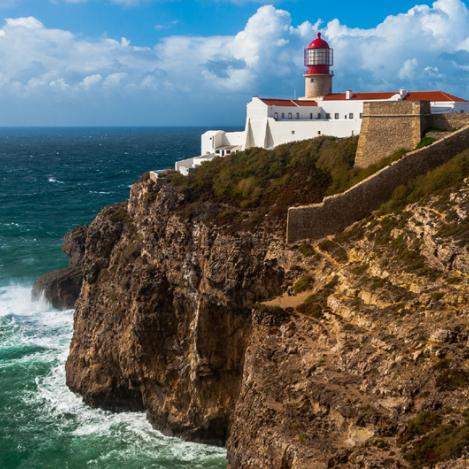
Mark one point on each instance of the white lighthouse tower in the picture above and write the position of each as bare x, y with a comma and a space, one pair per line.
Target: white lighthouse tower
319, 57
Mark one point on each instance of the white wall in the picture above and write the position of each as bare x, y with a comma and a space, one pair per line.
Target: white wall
264, 130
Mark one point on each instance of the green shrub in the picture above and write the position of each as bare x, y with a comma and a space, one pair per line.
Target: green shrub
334, 249
306, 249
443, 177
302, 284
447, 441
351, 176
423, 423
425, 142
451, 379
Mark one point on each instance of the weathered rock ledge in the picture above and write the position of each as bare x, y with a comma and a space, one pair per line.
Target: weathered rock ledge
62, 287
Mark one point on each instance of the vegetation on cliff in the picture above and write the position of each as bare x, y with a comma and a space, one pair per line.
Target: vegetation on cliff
258, 185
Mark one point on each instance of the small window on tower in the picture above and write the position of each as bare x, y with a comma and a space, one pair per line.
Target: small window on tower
361, 115
319, 132
293, 132
336, 115
290, 115
312, 80
350, 116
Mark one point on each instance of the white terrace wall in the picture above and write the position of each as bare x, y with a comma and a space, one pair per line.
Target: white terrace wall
336, 212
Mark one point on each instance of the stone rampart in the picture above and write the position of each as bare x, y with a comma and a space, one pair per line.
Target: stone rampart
388, 127
450, 121
336, 212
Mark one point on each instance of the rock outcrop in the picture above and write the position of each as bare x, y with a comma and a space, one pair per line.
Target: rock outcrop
62, 287
164, 312
349, 352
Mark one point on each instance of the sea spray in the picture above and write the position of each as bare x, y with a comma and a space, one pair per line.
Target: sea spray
47, 424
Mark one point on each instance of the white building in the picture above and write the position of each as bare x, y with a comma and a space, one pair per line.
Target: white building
271, 122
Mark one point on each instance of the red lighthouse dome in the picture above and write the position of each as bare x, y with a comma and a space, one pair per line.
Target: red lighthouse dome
318, 57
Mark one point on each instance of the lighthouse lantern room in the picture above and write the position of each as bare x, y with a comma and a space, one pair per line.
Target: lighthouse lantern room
319, 57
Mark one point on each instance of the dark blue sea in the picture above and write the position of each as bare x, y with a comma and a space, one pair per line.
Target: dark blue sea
50, 181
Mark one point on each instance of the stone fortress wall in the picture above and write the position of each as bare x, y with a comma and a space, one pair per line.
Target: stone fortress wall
391, 126
388, 127
338, 211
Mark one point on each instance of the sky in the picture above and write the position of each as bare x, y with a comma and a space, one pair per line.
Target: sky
198, 62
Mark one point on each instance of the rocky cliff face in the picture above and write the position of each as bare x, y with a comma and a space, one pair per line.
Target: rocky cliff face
348, 352
164, 313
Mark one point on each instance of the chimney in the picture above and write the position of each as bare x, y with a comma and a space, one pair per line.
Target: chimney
402, 93
348, 94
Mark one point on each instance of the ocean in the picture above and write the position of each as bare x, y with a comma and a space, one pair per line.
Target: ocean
50, 181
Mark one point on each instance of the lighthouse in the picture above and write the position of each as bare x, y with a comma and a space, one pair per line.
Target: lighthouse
319, 57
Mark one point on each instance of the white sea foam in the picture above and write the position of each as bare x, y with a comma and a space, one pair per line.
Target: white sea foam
55, 180
36, 324
16, 299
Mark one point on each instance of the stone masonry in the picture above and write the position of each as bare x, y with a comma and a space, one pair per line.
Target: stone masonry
338, 211
388, 127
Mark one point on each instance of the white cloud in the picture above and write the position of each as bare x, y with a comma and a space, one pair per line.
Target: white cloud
426, 47
403, 47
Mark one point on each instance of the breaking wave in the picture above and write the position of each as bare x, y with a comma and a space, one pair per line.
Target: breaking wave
50, 424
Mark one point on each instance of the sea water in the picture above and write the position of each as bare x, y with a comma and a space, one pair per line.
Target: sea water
50, 181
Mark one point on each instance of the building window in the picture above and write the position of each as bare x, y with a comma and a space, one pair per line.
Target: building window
336, 115
319, 116
345, 116
297, 115
353, 133
350, 116
293, 132
283, 115
312, 80
319, 132
361, 115
328, 116
290, 115
276, 116
311, 115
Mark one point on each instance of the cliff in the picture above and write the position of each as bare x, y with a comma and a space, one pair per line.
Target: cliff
163, 316
351, 351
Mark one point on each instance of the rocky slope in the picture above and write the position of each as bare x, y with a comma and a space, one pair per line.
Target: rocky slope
369, 366
346, 352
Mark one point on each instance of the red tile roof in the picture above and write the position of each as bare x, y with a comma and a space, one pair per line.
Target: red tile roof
359, 96
411, 96
288, 102
431, 96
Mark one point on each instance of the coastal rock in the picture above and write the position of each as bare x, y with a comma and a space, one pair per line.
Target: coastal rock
62, 287
206, 330
164, 312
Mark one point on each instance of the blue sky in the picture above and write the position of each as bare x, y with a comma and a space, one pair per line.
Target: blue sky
174, 62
